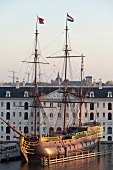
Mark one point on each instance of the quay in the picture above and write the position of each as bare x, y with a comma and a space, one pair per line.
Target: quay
48, 161
9, 151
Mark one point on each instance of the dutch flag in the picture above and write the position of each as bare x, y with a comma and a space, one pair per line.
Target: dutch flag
69, 18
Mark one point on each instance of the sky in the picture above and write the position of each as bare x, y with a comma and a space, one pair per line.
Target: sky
91, 34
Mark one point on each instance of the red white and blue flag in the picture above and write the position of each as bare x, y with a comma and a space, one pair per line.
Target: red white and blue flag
41, 20
69, 18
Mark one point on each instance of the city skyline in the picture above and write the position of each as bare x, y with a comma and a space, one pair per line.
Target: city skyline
91, 34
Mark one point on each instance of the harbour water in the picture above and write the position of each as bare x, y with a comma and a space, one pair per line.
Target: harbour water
104, 162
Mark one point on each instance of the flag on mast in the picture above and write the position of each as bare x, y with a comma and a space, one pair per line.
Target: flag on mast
69, 18
41, 20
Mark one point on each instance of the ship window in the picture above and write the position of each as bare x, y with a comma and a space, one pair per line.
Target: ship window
7, 129
109, 106
26, 94
8, 94
26, 106
8, 106
25, 129
91, 116
109, 94
109, 116
103, 136
7, 116
91, 94
25, 116
103, 114
91, 106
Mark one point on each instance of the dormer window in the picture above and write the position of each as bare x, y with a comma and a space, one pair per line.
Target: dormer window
8, 94
26, 94
91, 94
109, 94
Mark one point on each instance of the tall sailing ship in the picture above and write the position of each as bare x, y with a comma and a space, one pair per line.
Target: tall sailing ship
72, 140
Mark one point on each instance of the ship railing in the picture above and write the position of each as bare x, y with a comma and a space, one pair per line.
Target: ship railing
50, 138
48, 161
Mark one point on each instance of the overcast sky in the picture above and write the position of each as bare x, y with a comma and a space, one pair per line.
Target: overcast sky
90, 34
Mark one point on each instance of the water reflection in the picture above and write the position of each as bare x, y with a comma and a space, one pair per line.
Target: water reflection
104, 162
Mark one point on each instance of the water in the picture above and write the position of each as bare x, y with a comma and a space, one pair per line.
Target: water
104, 162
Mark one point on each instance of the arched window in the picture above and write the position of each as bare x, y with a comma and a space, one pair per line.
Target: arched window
109, 130
91, 116
8, 106
51, 131
109, 116
26, 106
51, 115
7, 129
59, 115
109, 106
109, 138
25, 129
7, 137
8, 116
25, 116
59, 129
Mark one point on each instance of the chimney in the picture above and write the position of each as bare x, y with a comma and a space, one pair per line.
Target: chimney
17, 83
94, 82
23, 82
100, 84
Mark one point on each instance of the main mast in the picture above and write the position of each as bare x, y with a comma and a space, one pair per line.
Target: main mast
65, 80
36, 84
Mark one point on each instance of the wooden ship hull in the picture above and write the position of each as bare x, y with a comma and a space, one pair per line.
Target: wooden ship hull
33, 149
